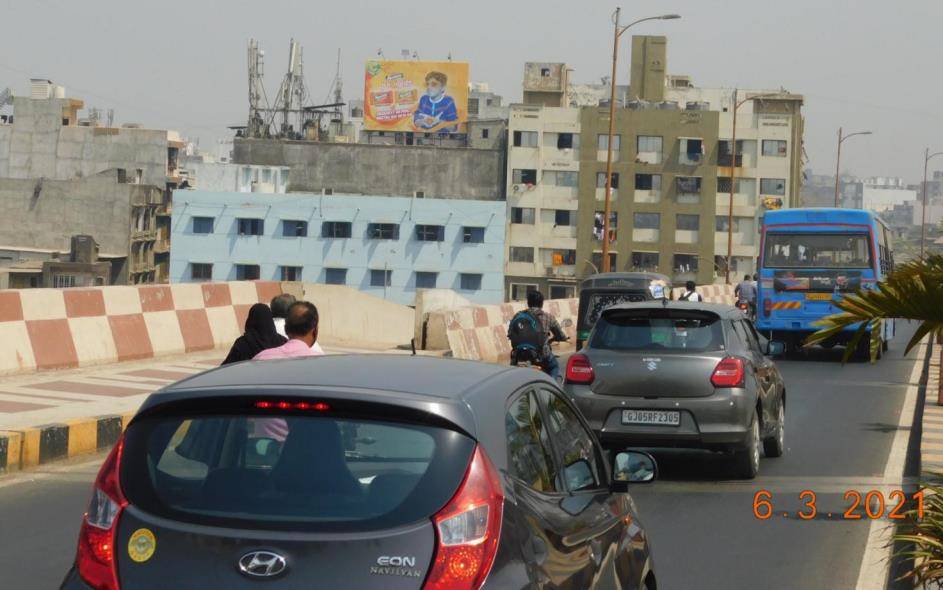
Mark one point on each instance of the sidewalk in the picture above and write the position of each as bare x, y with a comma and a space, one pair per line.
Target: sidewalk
931, 445
52, 415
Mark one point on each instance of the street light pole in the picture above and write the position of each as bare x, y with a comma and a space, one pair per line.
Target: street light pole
607, 209
841, 140
733, 176
927, 156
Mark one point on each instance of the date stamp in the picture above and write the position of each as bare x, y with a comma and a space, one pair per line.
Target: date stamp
859, 505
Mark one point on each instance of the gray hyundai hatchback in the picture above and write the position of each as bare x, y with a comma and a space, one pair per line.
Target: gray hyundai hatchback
362, 472
680, 374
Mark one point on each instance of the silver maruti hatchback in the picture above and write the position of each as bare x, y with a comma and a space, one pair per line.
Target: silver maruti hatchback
679, 374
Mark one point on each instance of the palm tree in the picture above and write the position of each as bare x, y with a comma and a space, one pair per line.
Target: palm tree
913, 291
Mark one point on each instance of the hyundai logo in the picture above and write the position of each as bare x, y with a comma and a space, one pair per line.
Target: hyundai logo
262, 564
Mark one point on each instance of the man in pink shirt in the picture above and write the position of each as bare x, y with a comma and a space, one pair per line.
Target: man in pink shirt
301, 328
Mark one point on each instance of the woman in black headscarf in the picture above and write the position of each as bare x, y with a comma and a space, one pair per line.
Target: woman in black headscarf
260, 335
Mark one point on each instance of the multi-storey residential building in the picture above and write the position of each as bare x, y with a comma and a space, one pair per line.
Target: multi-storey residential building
386, 246
542, 200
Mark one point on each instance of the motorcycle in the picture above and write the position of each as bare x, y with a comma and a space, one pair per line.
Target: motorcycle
746, 308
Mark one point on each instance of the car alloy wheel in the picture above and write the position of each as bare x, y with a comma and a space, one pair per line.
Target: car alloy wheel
755, 444
775, 445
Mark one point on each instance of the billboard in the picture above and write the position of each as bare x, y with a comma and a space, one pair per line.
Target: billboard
417, 96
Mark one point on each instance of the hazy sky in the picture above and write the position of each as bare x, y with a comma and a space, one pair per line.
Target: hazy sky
865, 64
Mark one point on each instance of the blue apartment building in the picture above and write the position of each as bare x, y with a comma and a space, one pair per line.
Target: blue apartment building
386, 246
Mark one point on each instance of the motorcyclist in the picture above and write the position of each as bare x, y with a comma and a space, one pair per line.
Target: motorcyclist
745, 292
550, 330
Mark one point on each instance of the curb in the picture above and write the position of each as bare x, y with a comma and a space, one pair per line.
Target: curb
32, 447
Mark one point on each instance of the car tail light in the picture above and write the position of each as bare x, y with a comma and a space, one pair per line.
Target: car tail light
467, 530
729, 372
767, 307
579, 370
285, 405
95, 559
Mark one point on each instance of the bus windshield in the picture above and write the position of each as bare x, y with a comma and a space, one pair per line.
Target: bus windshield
817, 250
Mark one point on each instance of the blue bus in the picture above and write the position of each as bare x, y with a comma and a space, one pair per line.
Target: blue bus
810, 257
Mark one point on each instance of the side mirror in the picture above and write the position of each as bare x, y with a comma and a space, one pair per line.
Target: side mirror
775, 348
630, 467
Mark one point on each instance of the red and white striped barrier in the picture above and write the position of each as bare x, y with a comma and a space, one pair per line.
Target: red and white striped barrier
65, 328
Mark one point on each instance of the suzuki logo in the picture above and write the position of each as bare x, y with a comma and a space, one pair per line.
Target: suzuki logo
651, 363
262, 564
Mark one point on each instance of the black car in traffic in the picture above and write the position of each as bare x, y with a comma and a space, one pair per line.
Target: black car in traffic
361, 472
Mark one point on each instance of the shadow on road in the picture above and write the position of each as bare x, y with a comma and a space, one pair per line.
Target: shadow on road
693, 465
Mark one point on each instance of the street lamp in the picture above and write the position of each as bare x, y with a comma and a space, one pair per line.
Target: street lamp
841, 139
733, 174
927, 156
612, 117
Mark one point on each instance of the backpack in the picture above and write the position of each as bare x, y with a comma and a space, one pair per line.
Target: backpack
687, 295
527, 339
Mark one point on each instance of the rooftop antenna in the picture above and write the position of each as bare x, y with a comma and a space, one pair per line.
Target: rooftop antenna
256, 124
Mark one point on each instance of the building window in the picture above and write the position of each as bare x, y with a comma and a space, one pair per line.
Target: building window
648, 182
524, 176
473, 235
568, 178
470, 281
291, 273
596, 259
383, 231
294, 229
544, 72
525, 139
689, 185
562, 292
644, 261
685, 263
522, 254
724, 157
773, 186
601, 180
562, 257
381, 278
247, 272
647, 221
563, 217
250, 227
774, 147
426, 280
599, 226
202, 225
484, 133
472, 106
692, 151
722, 223
201, 271
602, 142
335, 229
430, 233
522, 215
649, 144
335, 276
565, 141
687, 222
63, 281
519, 291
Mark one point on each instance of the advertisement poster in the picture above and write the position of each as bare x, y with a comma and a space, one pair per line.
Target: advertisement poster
817, 280
416, 96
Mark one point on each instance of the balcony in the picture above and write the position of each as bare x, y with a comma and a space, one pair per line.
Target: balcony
601, 155
143, 235
648, 158
601, 194
162, 246
687, 236
561, 271
726, 159
647, 196
646, 235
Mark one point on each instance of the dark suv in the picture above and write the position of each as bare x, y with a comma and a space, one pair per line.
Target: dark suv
362, 472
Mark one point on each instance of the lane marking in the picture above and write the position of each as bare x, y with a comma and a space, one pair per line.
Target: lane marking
879, 548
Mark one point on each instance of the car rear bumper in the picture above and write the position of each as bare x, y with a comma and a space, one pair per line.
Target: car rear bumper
74, 582
719, 421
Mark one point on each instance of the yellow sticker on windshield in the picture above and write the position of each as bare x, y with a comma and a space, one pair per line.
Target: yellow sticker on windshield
141, 545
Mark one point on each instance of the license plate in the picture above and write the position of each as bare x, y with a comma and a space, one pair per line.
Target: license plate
818, 296
651, 417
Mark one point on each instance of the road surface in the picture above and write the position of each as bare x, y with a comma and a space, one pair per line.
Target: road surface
841, 422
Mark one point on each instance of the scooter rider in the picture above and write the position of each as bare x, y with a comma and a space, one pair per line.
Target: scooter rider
547, 331
746, 293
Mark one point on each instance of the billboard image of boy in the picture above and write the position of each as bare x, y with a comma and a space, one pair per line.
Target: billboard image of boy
435, 106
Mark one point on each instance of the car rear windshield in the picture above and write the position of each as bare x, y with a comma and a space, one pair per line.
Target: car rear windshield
656, 330
292, 472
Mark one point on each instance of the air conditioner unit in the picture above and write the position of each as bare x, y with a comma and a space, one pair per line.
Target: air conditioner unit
516, 188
